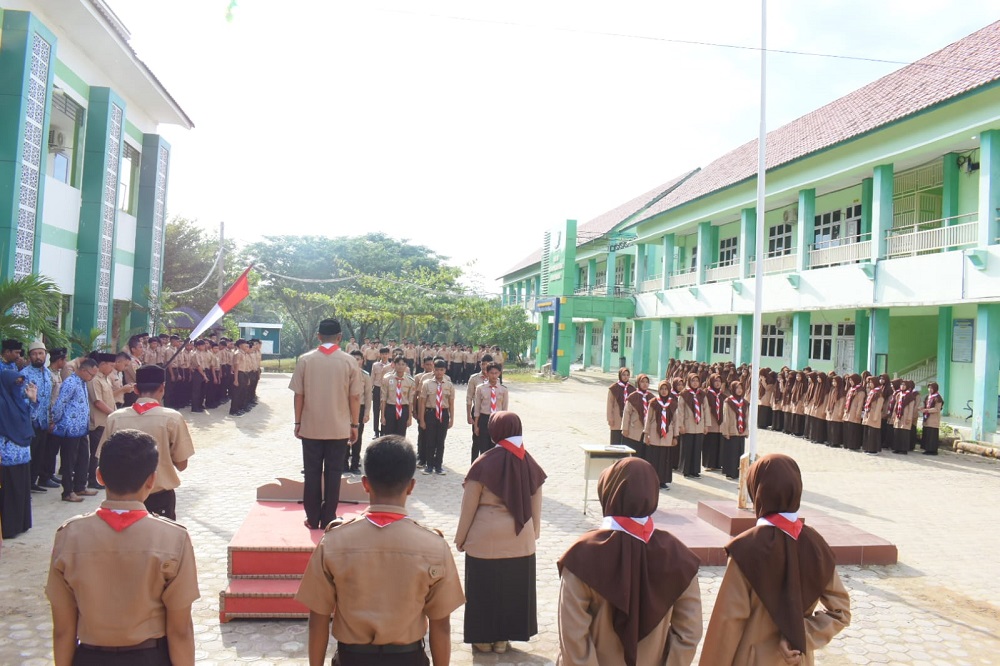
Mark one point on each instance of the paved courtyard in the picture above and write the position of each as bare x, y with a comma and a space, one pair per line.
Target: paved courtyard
937, 606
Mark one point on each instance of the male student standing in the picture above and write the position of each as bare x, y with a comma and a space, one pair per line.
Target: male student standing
491, 398
436, 407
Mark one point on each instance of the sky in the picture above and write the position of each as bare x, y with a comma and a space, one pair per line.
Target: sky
472, 127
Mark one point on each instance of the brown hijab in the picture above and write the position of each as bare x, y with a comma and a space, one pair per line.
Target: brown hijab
787, 574
512, 479
640, 580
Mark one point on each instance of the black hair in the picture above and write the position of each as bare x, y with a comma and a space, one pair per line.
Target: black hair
487, 358
356, 354
123, 355
428, 358
383, 350
127, 460
389, 464
494, 366
87, 364
440, 363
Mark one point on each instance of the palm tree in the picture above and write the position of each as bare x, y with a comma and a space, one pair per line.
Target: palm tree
29, 308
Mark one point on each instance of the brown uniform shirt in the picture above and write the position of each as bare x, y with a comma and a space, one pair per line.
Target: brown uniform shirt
151, 356
852, 414
428, 395
685, 416
486, 527
874, 416
483, 402
121, 583
652, 429
99, 388
408, 388
166, 426
327, 381
383, 583
470, 390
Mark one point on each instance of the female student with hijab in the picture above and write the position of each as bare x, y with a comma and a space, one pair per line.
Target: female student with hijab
854, 402
634, 416
871, 418
661, 434
715, 396
835, 412
768, 382
691, 426
932, 420
904, 413
629, 592
16, 433
734, 430
778, 573
618, 393
500, 521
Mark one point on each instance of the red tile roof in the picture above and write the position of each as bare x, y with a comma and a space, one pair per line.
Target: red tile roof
969, 63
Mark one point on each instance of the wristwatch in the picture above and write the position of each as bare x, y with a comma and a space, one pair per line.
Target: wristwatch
355, 425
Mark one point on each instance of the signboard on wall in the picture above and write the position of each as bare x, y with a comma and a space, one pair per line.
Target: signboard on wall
562, 259
963, 336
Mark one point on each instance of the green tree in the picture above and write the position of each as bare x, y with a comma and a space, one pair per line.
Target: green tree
29, 308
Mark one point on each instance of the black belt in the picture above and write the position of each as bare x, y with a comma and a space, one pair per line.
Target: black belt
382, 649
148, 644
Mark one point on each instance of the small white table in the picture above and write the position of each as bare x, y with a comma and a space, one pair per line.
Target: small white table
596, 459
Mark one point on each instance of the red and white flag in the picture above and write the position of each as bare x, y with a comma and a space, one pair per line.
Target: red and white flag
229, 300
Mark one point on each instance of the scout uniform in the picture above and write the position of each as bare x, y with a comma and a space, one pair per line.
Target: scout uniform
200, 364
352, 457
94, 554
397, 396
691, 425
98, 388
437, 400
173, 443
872, 421
854, 403
660, 430
489, 400
378, 371
381, 576
241, 381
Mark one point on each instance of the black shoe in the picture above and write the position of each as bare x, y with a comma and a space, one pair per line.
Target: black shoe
355, 470
49, 483
35, 488
95, 486
57, 479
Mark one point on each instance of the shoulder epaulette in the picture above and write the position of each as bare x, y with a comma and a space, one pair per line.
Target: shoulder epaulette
432, 530
166, 520
73, 519
334, 524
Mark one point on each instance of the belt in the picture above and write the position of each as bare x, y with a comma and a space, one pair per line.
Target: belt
382, 649
145, 645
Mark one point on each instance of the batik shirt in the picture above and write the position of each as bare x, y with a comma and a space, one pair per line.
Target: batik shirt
42, 378
71, 413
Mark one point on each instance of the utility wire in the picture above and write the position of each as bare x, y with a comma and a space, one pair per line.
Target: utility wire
215, 264
429, 290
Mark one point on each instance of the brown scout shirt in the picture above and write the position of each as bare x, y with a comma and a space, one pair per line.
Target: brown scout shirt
486, 526
121, 583
428, 395
483, 404
383, 583
326, 381
99, 388
409, 389
470, 390
166, 426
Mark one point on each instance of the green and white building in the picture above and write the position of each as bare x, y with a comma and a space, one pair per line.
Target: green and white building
83, 171
881, 246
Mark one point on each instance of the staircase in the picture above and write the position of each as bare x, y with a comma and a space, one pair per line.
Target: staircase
920, 373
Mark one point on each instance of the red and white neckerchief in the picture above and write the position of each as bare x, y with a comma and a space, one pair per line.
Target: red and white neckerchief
640, 528
382, 518
119, 520
717, 400
740, 423
899, 403
438, 412
493, 400
789, 523
625, 387
664, 422
647, 397
850, 396
871, 396
931, 399
328, 348
399, 397
697, 405
514, 444
143, 407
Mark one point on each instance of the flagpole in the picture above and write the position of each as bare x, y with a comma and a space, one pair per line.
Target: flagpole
176, 353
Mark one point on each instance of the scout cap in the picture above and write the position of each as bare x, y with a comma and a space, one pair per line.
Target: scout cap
329, 327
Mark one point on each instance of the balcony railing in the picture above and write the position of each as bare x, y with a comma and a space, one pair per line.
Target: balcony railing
722, 271
782, 263
932, 236
840, 251
652, 283
617, 291
683, 278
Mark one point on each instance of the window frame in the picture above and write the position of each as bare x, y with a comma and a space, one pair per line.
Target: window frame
772, 341
821, 342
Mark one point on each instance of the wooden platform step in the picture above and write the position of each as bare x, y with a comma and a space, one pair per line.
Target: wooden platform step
261, 598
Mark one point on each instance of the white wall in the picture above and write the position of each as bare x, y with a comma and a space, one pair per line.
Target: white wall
59, 265
61, 205
124, 242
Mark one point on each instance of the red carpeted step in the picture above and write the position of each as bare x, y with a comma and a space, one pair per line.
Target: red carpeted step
261, 598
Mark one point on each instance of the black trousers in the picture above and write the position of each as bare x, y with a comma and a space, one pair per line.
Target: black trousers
38, 443
352, 453
421, 445
376, 401
95, 439
240, 392
75, 455
616, 437
252, 390
197, 392
323, 460
732, 449
48, 467
931, 440
393, 425
456, 371
345, 658
482, 443
710, 450
691, 454
434, 436
156, 656
163, 503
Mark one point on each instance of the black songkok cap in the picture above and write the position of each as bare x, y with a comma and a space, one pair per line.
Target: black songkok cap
175, 337
150, 374
57, 354
14, 345
101, 357
329, 327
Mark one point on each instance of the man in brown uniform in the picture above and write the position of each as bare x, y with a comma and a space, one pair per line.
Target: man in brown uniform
397, 396
436, 408
241, 378
427, 370
201, 363
102, 403
470, 397
352, 458
379, 368
168, 429
147, 562
382, 576
491, 398
328, 389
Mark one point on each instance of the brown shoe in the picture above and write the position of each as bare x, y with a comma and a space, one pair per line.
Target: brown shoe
88, 492
72, 497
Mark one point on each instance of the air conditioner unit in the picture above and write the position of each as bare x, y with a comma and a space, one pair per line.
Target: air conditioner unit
57, 140
791, 215
783, 323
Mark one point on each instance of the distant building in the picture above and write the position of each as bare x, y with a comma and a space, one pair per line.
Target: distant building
880, 252
83, 172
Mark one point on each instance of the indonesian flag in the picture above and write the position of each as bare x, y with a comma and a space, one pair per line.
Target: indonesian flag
229, 300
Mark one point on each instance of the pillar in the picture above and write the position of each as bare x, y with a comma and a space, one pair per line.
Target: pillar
627, 271
668, 259
641, 267
861, 336
987, 355
703, 339
606, 353
800, 339
27, 63
544, 340
882, 184
638, 346
949, 190
708, 247
98, 213
867, 185
610, 272
805, 230
664, 349
944, 354
748, 239
591, 273
588, 331
878, 340
744, 339
989, 187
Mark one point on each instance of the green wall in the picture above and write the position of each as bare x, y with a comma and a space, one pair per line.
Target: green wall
838, 200
968, 193
963, 375
913, 339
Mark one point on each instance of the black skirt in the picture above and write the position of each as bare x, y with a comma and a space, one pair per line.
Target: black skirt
853, 433
777, 419
819, 430
15, 499
500, 599
873, 439
639, 446
901, 440
659, 458
732, 449
835, 433
710, 450
763, 416
931, 439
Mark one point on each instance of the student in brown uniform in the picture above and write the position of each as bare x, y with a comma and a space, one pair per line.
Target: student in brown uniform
871, 418
634, 416
397, 397
778, 572
499, 523
715, 397
436, 407
200, 367
426, 370
382, 577
102, 403
691, 426
931, 411
661, 433
328, 387
768, 382
352, 457
473, 383
629, 592
491, 397
854, 403
379, 368
835, 412
618, 393
121, 581
903, 414
168, 429
241, 378
734, 430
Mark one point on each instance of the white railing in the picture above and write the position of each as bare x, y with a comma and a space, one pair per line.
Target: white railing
783, 263
652, 283
687, 278
920, 373
933, 236
721, 272
841, 251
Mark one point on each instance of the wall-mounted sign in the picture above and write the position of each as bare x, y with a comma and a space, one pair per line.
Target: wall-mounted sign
963, 336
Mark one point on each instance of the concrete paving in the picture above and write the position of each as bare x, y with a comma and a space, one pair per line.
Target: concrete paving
937, 606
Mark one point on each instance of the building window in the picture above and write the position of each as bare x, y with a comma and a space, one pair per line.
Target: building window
601, 278
628, 336
65, 131
729, 251
689, 342
821, 342
828, 229
128, 180
852, 224
722, 341
580, 335
694, 257
619, 272
596, 336
772, 341
845, 330
581, 278
779, 240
